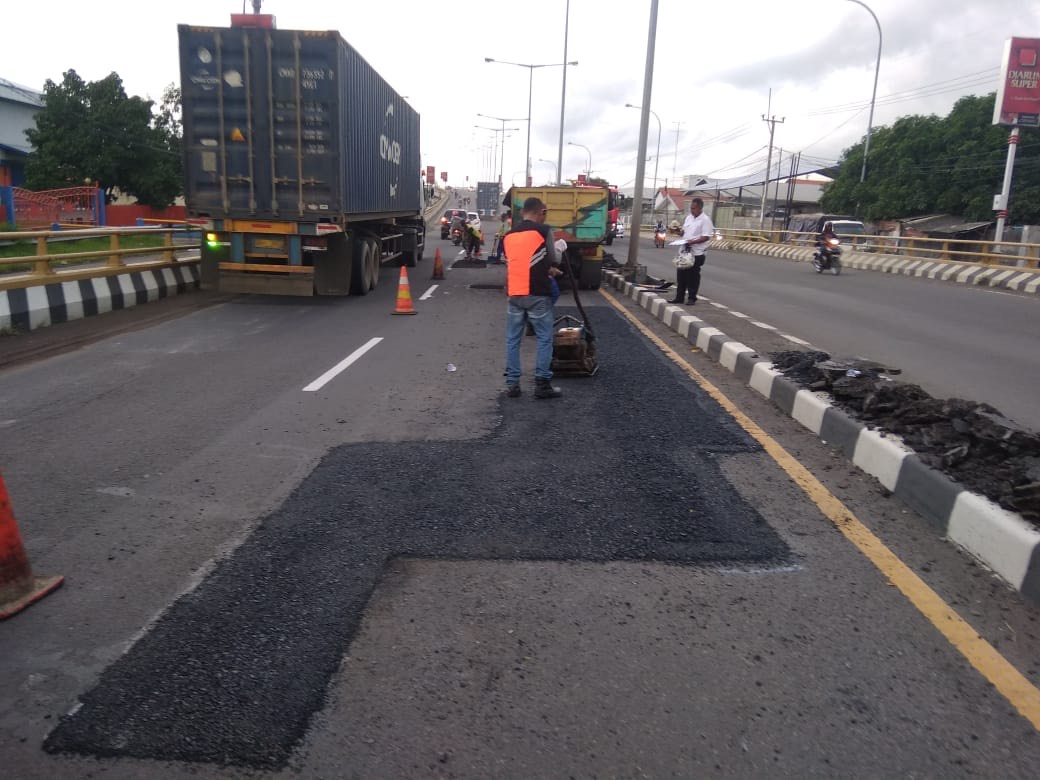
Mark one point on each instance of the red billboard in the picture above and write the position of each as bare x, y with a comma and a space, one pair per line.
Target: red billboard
430, 174
444, 175
1018, 94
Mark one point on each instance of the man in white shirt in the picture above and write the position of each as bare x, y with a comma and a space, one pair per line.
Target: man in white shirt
697, 232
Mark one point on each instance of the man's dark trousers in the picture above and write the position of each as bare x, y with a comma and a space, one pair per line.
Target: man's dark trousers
688, 280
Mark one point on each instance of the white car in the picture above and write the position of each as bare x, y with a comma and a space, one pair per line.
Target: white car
473, 218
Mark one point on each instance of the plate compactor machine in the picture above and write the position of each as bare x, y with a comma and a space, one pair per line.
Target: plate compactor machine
574, 342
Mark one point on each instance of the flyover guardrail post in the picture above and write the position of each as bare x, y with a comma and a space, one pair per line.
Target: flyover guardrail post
42, 267
115, 260
168, 244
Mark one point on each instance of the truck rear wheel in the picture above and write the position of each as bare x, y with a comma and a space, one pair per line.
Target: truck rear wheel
373, 273
361, 267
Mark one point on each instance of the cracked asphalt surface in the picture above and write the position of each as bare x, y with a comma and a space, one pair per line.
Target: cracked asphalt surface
234, 671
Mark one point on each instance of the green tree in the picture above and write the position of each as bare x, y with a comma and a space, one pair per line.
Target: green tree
160, 182
93, 132
927, 164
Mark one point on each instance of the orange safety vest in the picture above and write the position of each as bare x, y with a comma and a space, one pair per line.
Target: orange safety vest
524, 250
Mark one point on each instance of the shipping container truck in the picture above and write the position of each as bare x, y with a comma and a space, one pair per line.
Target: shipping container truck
578, 215
488, 196
302, 164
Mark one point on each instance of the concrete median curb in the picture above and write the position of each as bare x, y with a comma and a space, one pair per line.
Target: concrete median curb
28, 308
1017, 278
1000, 539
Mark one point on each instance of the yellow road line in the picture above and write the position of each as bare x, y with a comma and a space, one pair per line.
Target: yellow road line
1015, 687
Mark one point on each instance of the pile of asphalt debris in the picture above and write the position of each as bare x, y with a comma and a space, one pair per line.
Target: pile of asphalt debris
970, 442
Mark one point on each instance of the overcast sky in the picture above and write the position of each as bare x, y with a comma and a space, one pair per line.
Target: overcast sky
714, 66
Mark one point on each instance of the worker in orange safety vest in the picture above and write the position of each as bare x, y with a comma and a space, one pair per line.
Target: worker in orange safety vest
531, 260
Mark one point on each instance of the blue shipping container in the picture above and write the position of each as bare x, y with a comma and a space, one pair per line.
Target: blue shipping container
292, 125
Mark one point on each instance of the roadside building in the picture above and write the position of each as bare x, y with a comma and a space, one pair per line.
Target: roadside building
18, 107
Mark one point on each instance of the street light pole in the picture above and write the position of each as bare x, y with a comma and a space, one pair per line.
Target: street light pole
644, 123
527, 154
563, 94
873, 95
530, 88
658, 157
502, 159
588, 171
556, 171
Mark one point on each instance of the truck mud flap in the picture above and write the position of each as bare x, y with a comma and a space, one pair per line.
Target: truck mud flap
332, 269
591, 273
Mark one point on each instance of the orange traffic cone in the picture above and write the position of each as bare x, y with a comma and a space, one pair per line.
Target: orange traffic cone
404, 295
18, 587
438, 266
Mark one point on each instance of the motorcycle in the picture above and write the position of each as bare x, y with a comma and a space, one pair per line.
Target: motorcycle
659, 238
827, 256
456, 236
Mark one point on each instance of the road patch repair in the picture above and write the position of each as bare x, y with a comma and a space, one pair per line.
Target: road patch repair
951, 461
234, 671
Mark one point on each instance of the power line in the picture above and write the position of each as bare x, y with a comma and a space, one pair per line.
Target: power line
929, 90
834, 130
735, 163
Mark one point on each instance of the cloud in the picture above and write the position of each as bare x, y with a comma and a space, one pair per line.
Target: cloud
714, 65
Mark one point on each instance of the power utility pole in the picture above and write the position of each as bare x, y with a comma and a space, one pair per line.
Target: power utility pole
772, 121
675, 156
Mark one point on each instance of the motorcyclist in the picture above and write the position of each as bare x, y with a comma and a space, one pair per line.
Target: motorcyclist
459, 224
659, 227
824, 239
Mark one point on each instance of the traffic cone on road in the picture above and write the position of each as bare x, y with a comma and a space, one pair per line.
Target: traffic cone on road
18, 587
438, 266
404, 295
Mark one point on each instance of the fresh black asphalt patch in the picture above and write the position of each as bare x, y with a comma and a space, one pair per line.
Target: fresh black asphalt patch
624, 467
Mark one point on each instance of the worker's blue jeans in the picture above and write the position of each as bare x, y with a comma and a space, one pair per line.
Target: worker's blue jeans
538, 310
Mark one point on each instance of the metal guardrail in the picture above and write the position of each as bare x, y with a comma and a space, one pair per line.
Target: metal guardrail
941, 249
48, 268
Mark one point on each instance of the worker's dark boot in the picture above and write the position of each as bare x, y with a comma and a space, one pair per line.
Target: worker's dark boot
543, 389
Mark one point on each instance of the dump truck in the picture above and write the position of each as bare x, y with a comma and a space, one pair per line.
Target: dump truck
301, 162
578, 215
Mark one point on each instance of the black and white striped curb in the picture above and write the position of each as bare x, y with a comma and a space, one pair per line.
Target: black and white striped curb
1001, 540
1016, 278
28, 308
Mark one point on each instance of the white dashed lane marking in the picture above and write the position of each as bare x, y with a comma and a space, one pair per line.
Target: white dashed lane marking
765, 326
343, 365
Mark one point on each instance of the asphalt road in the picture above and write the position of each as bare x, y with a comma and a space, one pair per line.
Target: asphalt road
952, 339
402, 574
